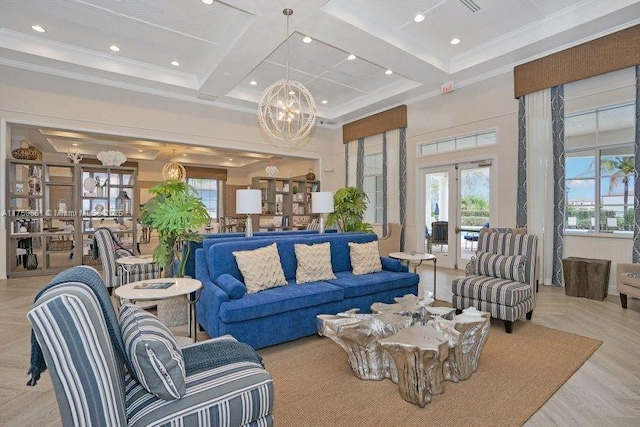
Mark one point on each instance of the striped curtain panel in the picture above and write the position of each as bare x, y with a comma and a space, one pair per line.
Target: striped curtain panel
521, 207
557, 127
636, 201
395, 178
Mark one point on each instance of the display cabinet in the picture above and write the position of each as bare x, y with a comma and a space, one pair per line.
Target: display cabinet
108, 200
52, 210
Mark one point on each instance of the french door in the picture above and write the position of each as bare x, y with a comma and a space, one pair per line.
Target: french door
456, 203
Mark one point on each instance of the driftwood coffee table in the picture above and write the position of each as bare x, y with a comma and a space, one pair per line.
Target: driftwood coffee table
411, 343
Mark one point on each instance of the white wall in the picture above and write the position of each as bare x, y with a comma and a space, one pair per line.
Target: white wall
33, 98
483, 106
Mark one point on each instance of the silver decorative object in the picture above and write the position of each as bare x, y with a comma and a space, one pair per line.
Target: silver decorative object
418, 353
358, 335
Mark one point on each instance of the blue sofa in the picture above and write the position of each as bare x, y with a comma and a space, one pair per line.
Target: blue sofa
289, 312
190, 248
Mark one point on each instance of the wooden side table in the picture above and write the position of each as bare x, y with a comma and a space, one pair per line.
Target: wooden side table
586, 277
149, 290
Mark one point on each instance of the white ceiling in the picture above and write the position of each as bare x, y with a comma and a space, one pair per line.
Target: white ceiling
222, 47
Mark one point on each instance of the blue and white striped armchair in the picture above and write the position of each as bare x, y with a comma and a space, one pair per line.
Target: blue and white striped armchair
109, 251
77, 337
501, 278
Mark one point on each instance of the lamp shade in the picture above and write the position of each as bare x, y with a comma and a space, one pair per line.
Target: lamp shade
248, 201
322, 202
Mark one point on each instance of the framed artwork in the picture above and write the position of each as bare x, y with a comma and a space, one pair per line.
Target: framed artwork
19, 187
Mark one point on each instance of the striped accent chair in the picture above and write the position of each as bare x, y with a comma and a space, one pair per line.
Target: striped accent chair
500, 278
81, 341
109, 251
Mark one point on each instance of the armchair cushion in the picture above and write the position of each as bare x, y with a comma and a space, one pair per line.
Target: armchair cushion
365, 258
153, 352
492, 289
260, 268
501, 266
232, 286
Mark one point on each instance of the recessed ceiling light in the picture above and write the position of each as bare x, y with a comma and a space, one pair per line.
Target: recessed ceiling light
388, 72
207, 1
114, 48
230, 159
184, 155
139, 151
307, 39
175, 63
351, 57
38, 28
418, 18
324, 101
253, 82
455, 41
74, 144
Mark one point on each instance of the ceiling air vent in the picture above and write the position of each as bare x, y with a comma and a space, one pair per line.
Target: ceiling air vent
471, 5
207, 97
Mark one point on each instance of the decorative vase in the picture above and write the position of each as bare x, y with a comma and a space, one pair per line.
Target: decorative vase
271, 171
311, 176
31, 263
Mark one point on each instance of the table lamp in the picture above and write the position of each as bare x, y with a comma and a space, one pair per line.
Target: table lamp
322, 203
248, 202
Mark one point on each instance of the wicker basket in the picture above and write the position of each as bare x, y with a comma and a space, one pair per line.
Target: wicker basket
25, 152
60, 245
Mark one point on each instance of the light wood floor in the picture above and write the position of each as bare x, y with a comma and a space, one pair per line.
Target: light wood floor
604, 392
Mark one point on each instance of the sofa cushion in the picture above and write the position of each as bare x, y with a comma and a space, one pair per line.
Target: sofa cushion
365, 257
492, 289
340, 259
355, 286
279, 300
153, 353
260, 268
505, 267
314, 262
232, 286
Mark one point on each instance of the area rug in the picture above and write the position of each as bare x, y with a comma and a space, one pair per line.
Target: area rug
517, 374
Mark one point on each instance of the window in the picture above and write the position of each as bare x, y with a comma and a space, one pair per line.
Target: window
458, 143
600, 168
208, 191
373, 187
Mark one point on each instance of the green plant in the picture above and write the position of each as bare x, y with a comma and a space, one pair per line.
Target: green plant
175, 212
350, 204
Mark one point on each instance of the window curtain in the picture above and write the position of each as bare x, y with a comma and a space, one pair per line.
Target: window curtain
544, 181
521, 208
636, 202
351, 163
395, 172
385, 178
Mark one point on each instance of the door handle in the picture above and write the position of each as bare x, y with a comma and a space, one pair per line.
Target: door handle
457, 230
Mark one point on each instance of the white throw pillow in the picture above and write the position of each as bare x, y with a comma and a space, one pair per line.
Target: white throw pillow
365, 257
260, 268
314, 262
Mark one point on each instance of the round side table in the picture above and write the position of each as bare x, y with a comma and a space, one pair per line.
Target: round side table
415, 259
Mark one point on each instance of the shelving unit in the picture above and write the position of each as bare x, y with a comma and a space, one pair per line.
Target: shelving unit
286, 202
51, 216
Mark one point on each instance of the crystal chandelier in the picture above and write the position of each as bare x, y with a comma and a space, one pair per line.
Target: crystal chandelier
174, 170
287, 111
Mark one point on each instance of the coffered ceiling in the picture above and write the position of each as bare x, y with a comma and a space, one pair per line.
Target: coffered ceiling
223, 47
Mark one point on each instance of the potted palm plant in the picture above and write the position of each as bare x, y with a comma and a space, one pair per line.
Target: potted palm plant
350, 204
176, 212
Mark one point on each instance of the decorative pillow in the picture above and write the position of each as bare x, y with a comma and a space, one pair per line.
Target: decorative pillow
365, 257
314, 262
232, 286
153, 353
260, 268
501, 266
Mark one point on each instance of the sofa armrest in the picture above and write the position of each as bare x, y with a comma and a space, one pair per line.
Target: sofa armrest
390, 264
232, 286
211, 297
